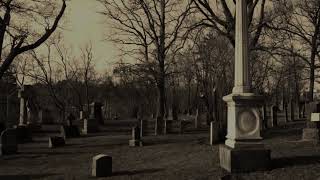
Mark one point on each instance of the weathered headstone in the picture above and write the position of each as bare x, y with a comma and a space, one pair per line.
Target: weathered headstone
196, 119
81, 115
274, 116
214, 132
101, 166
136, 138
69, 131
40, 116
8, 141
90, 126
96, 112
70, 119
56, 141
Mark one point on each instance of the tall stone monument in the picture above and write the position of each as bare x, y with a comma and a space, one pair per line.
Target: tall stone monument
243, 150
23, 113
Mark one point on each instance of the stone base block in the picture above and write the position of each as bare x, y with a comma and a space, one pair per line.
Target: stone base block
240, 160
134, 143
310, 134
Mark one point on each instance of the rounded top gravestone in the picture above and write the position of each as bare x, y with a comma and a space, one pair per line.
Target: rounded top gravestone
101, 165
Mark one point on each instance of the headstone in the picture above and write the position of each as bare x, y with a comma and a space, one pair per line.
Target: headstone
56, 141
81, 115
8, 141
96, 112
315, 117
142, 127
101, 166
274, 116
196, 119
70, 119
69, 131
214, 132
136, 138
90, 126
40, 117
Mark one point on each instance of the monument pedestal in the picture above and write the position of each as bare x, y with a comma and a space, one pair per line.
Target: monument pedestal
237, 160
243, 150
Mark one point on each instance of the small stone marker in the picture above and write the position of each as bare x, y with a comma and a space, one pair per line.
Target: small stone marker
8, 142
56, 141
214, 132
136, 138
196, 119
101, 165
315, 117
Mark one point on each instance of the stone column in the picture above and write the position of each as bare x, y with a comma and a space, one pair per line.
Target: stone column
243, 150
241, 82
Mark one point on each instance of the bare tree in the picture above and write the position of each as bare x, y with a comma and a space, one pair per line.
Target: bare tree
87, 70
20, 26
298, 29
220, 16
156, 28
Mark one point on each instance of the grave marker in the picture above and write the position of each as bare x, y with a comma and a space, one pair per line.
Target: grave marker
136, 138
8, 141
101, 166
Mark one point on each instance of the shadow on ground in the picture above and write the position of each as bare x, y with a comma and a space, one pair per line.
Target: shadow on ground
134, 172
25, 177
294, 161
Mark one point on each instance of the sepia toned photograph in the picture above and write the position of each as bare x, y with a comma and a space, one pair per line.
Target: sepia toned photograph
159, 90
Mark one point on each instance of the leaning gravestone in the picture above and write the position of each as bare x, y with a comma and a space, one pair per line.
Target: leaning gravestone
101, 166
8, 142
56, 141
136, 138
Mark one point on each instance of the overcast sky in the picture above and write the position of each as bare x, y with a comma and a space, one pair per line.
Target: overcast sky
84, 25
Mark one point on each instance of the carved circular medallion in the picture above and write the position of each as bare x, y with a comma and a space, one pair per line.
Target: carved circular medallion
248, 121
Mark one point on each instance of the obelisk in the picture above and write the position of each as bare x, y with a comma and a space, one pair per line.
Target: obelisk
243, 150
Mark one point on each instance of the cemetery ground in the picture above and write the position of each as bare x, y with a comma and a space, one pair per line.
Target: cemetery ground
174, 156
